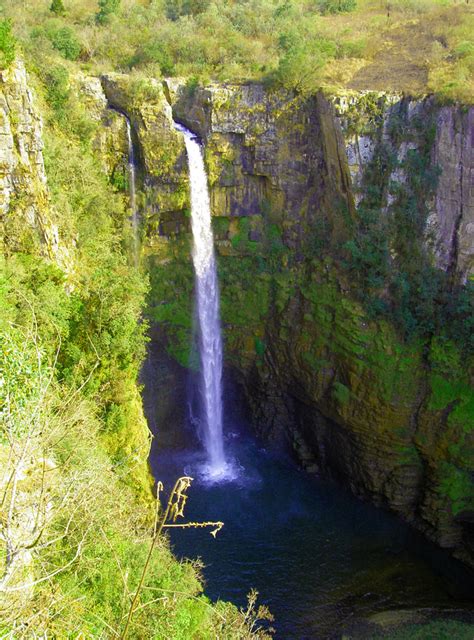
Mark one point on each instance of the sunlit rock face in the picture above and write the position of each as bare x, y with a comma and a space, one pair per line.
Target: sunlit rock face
26, 216
346, 392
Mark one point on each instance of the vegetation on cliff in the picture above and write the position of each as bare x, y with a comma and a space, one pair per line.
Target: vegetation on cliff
76, 507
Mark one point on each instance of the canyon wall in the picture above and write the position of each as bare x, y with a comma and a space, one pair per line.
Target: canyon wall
26, 214
303, 192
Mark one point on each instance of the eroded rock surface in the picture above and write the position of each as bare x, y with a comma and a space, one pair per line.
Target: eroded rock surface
25, 211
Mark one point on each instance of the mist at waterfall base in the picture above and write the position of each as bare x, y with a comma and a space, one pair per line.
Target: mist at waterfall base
319, 557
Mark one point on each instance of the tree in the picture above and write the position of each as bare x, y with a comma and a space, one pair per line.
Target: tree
301, 62
57, 7
106, 9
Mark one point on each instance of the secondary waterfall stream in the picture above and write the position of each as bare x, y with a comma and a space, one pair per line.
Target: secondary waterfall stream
207, 306
132, 190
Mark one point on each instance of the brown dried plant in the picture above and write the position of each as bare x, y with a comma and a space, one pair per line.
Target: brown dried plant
174, 510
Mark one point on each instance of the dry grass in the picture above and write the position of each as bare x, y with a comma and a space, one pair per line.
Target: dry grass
412, 51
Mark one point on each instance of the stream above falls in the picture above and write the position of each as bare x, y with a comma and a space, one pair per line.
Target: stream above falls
320, 558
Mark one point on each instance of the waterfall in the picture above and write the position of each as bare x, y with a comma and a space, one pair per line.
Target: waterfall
133, 197
207, 304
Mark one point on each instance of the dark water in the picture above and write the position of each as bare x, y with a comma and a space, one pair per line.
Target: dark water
320, 558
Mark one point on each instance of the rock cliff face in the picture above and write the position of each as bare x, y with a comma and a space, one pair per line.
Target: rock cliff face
389, 416
366, 121
25, 211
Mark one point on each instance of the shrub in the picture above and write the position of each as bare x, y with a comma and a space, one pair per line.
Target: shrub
7, 44
301, 63
66, 42
337, 6
155, 52
57, 89
177, 8
106, 9
57, 7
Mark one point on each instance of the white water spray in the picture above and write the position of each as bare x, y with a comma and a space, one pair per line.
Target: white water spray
133, 189
207, 303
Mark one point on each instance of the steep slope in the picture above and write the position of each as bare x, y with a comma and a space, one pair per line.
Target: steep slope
77, 513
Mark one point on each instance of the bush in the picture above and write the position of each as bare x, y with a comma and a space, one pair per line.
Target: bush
7, 44
301, 63
57, 7
106, 9
155, 52
57, 89
337, 6
66, 42
177, 8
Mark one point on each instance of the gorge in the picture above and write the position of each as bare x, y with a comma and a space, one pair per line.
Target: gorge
288, 416
320, 369
247, 278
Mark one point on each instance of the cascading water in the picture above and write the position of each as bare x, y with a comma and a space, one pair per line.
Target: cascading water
133, 198
207, 303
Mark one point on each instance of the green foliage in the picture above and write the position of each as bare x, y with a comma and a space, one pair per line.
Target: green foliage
170, 301
241, 240
119, 180
301, 62
66, 42
259, 347
106, 9
390, 268
341, 393
337, 6
458, 486
177, 8
20, 377
242, 40
58, 90
57, 7
7, 44
155, 51
66, 110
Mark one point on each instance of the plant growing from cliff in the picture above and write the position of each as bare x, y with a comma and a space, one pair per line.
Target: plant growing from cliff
387, 258
7, 44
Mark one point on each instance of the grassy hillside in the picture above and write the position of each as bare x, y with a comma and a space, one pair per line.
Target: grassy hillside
416, 46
